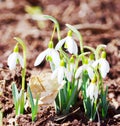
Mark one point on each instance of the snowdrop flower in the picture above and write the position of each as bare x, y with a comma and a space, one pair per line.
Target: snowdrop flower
14, 58
92, 90
85, 67
61, 72
50, 53
104, 66
69, 43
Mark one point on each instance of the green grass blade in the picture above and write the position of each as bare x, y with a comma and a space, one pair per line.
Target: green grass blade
31, 98
15, 97
22, 101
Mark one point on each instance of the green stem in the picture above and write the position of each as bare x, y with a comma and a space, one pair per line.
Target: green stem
53, 33
56, 24
24, 60
99, 48
91, 49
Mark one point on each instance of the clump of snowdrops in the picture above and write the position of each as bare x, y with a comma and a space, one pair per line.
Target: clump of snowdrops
76, 71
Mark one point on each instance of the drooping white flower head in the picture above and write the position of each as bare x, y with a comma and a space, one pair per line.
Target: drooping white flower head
103, 65
70, 44
13, 59
82, 68
49, 52
61, 72
92, 92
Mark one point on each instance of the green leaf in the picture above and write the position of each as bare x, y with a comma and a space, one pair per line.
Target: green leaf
31, 98
22, 101
34, 106
15, 97
72, 98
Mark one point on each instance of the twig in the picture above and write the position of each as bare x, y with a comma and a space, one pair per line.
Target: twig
58, 118
97, 27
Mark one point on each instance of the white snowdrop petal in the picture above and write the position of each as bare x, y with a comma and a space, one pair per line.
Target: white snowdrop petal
104, 67
90, 72
21, 60
92, 92
95, 63
75, 49
72, 66
41, 57
60, 74
88, 91
68, 75
55, 57
12, 59
69, 44
72, 46
60, 44
96, 92
79, 71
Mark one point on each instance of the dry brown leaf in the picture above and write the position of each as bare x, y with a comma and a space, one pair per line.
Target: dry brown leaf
45, 87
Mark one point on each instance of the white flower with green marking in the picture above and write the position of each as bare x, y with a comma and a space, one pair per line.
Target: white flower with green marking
82, 68
70, 44
61, 72
103, 66
13, 59
51, 55
92, 91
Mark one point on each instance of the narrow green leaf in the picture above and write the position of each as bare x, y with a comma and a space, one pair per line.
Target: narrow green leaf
31, 98
71, 100
15, 97
22, 101
36, 105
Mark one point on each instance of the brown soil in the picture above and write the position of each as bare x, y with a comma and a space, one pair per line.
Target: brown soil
99, 23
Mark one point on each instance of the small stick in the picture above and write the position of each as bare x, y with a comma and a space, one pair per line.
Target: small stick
97, 27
